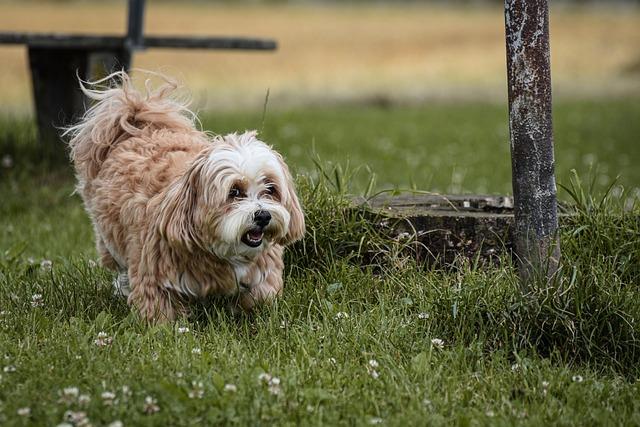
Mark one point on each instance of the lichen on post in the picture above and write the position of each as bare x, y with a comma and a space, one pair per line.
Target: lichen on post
531, 135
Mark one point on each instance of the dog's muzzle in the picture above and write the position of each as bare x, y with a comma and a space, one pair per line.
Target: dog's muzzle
253, 237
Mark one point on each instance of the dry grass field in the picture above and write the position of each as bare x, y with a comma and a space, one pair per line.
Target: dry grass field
339, 53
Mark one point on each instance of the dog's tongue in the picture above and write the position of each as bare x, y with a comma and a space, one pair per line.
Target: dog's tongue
255, 234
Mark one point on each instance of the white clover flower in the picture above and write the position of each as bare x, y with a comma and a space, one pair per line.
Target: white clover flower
275, 390
231, 388
103, 339
69, 395
375, 420
24, 412
150, 405
46, 264
423, 315
116, 423
108, 398
272, 382
577, 379
9, 368
196, 350
183, 330
7, 161
403, 236
545, 387
78, 419
36, 300
438, 343
197, 391
341, 315
65, 424
264, 377
490, 414
92, 264
372, 365
515, 367
84, 399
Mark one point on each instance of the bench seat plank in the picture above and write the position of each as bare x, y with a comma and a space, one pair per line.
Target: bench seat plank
106, 42
243, 43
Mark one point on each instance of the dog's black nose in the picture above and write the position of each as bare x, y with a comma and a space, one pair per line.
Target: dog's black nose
262, 218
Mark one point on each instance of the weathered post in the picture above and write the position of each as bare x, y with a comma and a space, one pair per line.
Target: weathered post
531, 135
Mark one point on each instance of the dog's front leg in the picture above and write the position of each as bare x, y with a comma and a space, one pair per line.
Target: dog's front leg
264, 291
154, 303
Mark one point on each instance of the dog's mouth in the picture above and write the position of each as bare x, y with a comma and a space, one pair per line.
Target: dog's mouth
253, 237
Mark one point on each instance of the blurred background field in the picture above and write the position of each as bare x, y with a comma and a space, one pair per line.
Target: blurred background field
330, 52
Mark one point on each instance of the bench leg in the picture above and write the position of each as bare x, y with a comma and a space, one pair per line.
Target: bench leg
57, 97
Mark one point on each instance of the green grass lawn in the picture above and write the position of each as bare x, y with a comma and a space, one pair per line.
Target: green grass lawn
450, 148
395, 344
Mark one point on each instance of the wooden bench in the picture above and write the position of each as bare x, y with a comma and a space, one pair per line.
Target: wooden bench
57, 60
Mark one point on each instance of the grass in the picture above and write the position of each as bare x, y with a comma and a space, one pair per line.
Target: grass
565, 355
454, 148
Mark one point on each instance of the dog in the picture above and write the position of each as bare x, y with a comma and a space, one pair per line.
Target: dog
179, 213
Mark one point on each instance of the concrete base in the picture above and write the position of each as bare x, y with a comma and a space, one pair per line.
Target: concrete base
439, 228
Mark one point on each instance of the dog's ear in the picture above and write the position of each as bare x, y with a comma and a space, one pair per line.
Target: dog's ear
292, 205
178, 220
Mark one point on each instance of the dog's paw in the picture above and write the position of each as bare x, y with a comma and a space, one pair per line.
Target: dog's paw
121, 287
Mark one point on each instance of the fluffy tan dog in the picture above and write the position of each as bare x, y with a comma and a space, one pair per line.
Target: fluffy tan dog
178, 213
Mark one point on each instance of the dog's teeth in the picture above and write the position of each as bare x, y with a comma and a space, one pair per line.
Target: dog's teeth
255, 236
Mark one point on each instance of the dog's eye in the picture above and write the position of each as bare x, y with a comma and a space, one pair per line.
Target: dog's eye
234, 193
271, 190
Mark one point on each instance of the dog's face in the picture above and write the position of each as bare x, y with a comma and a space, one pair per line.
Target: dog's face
235, 200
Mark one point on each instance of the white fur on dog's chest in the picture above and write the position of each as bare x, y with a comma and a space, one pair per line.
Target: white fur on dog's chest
188, 286
240, 270
185, 284
248, 276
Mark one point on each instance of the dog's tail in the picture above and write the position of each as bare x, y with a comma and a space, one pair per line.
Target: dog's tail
121, 112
